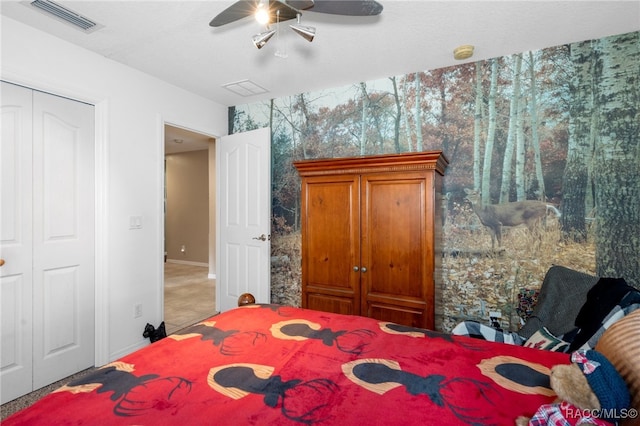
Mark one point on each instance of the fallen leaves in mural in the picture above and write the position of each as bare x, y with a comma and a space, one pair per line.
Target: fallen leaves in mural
476, 279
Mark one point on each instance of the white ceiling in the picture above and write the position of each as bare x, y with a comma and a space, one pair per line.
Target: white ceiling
173, 41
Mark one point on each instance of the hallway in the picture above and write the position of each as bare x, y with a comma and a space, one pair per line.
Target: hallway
189, 296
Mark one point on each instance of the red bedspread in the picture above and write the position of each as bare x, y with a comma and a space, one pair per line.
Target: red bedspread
267, 364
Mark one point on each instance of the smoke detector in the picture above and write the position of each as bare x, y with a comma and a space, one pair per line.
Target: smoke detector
463, 52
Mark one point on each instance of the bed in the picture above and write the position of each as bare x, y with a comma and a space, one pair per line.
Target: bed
271, 364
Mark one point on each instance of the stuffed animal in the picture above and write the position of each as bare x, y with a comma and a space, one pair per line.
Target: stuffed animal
154, 334
590, 391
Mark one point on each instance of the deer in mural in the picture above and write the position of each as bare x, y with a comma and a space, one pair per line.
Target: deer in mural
495, 216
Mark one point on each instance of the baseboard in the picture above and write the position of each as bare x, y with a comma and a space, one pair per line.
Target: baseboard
188, 262
129, 349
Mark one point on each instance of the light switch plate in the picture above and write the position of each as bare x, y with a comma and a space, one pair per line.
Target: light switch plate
135, 222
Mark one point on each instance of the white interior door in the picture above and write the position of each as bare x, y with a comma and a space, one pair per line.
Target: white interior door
48, 304
16, 242
243, 164
63, 231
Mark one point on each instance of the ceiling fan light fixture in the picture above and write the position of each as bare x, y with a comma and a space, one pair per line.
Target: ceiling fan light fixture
259, 40
262, 13
308, 33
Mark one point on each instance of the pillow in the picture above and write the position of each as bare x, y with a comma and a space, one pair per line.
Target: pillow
620, 344
543, 339
562, 294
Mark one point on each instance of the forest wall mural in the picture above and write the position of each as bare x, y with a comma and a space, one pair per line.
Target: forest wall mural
559, 125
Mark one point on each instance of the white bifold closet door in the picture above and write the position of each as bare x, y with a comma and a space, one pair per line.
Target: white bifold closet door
47, 223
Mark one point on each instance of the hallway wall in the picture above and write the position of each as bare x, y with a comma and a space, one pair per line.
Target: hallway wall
187, 214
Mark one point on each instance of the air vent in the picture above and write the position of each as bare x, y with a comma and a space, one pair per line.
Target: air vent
245, 88
66, 15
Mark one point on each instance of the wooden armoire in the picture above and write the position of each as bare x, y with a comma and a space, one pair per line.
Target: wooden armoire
371, 236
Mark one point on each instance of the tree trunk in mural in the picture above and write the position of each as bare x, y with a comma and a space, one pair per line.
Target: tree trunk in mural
535, 140
379, 125
418, 114
477, 127
407, 124
271, 126
507, 160
304, 128
617, 152
363, 123
398, 116
444, 134
521, 179
581, 132
231, 118
491, 132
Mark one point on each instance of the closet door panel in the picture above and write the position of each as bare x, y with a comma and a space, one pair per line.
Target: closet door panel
61, 289
64, 215
16, 279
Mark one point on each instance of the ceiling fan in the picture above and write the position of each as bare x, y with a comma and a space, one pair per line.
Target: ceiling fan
276, 11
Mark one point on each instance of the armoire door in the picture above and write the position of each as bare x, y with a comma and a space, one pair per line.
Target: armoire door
331, 243
397, 247
48, 305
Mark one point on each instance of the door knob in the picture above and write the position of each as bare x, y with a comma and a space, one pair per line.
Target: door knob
1, 262
262, 237
363, 269
356, 269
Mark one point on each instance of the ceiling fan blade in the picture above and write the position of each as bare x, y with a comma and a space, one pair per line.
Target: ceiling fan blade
343, 7
238, 10
301, 4
244, 8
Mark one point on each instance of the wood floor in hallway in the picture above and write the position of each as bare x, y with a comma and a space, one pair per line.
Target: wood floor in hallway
189, 296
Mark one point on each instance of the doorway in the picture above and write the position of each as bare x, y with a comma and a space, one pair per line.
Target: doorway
189, 225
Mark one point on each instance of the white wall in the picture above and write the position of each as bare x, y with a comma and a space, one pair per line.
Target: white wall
131, 108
